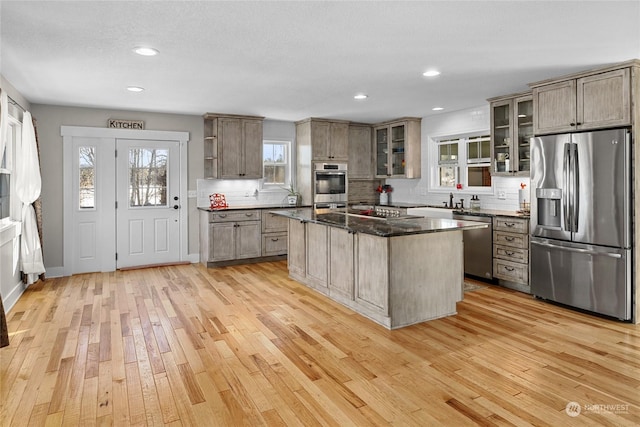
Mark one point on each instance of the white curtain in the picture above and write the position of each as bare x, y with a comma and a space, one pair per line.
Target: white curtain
4, 121
28, 186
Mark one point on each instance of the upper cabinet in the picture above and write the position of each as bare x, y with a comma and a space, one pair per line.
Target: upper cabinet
511, 130
329, 139
360, 152
232, 146
397, 148
588, 101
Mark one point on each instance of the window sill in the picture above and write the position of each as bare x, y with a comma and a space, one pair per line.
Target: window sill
9, 230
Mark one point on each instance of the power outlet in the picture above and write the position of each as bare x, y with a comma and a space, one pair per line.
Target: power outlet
502, 194
192, 194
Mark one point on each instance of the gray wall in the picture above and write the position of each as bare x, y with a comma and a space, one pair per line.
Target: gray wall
50, 118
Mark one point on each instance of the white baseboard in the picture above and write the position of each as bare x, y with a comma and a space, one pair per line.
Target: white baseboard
193, 258
13, 296
53, 272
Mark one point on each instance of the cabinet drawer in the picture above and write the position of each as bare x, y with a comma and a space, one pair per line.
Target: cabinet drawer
511, 239
274, 244
226, 216
511, 254
513, 225
512, 271
273, 223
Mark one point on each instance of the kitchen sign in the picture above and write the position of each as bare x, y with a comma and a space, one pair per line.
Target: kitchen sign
126, 124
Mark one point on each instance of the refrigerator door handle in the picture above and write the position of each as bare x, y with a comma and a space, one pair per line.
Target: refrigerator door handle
582, 251
575, 171
565, 186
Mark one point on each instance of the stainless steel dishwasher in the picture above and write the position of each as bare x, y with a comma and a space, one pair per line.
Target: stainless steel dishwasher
478, 247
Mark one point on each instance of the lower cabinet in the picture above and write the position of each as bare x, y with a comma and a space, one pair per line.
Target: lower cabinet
511, 252
372, 281
297, 250
240, 236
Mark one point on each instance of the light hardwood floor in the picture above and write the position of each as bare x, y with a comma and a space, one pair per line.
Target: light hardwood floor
245, 345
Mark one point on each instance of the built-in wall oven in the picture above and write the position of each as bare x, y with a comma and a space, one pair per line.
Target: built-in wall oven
330, 185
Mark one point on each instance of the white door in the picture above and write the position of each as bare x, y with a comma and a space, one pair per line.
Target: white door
146, 229
92, 205
148, 202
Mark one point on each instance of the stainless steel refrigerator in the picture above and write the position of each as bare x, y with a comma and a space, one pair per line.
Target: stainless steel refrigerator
581, 229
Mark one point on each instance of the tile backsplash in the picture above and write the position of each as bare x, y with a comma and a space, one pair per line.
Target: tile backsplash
239, 192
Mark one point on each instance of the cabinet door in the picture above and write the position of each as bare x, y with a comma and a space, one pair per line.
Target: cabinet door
273, 223
360, 153
320, 140
252, 149
604, 100
341, 278
339, 141
381, 136
397, 145
229, 147
523, 131
248, 239
317, 257
222, 241
372, 279
501, 136
554, 107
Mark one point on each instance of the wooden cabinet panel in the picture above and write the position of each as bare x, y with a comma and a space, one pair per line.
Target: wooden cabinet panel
274, 244
603, 100
329, 140
514, 225
317, 255
341, 274
339, 139
230, 147
273, 223
360, 152
252, 149
372, 281
511, 130
248, 239
512, 271
554, 107
320, 140
511, 252
221, 238
397, 147
297, 250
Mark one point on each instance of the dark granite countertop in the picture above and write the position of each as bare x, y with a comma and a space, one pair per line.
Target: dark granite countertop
491, 213
389, 227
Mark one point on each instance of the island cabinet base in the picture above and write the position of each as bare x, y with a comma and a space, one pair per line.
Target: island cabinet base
394, 281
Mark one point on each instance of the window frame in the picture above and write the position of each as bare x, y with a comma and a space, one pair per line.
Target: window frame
288, 165
15, 129
462, 164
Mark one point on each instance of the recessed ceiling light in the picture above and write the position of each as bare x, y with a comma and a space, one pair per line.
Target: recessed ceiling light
437, 108
431, 73
361, 96
135, 89
145, 51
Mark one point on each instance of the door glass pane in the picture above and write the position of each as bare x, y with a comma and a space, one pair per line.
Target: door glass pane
148, 177
87, 175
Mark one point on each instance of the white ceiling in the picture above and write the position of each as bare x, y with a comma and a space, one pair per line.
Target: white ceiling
292, 60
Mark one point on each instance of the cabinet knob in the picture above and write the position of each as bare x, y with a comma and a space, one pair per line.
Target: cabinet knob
572, 124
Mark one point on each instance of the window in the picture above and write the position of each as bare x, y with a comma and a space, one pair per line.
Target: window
6, 169
276, 163
462, 160
87, 178
148, 177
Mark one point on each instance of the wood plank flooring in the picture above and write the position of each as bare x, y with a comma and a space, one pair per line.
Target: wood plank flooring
245, 345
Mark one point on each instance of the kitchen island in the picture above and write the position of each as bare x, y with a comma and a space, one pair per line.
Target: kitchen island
395, 271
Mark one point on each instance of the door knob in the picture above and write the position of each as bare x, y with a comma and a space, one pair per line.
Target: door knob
176, 207
175, 198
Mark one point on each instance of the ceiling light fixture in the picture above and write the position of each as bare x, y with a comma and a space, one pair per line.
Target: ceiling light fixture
135, 89
437, 108
431, 73
361, 96
145, 51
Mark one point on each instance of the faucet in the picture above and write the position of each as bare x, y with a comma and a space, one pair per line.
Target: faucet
451, 200
461, 203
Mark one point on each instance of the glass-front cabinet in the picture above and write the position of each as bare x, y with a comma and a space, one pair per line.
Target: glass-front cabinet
397, 148
511, 130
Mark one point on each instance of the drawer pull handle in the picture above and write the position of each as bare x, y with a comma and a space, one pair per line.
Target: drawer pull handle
510, 224
274, 240
222, 215
506, 267
248, 214
509, 238
510, 253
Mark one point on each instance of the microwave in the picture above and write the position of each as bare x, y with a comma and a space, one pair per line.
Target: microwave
330, 182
